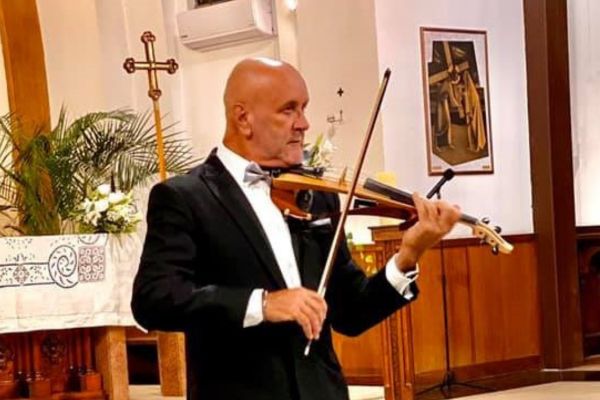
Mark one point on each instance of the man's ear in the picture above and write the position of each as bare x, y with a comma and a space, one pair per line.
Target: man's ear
243, 119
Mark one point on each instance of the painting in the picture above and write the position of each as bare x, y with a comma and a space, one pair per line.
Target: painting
456, 95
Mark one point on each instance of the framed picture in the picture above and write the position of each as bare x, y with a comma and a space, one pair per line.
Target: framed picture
456, 93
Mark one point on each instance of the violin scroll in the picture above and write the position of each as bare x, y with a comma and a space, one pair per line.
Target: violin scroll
490, 236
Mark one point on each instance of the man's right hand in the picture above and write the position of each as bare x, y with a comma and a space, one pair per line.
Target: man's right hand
302, 305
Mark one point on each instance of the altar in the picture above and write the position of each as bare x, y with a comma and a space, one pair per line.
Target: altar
64, 305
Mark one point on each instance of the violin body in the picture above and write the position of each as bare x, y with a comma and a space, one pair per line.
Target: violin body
377, 199
286, 187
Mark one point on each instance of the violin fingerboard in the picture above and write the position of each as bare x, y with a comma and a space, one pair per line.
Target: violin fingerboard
389, 191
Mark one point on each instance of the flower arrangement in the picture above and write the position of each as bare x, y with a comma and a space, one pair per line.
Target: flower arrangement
107, 211
318, 155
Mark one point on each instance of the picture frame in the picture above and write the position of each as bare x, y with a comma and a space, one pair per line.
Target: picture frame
456, 96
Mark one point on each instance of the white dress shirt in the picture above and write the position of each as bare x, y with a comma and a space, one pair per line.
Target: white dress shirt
278, 234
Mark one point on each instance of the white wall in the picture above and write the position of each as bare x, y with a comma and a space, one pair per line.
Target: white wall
505, 196
584, 32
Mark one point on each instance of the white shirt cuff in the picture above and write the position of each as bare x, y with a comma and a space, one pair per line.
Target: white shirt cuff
254, 312
399, 280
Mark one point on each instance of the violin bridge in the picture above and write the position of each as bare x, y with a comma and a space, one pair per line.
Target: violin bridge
342, 179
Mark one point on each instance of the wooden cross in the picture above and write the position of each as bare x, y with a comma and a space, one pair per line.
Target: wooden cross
452, 69
151, 65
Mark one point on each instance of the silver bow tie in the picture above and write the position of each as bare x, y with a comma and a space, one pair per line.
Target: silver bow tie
254, 174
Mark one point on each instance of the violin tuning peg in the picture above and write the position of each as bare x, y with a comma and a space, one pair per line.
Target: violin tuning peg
485, 220
495, 250
498, 229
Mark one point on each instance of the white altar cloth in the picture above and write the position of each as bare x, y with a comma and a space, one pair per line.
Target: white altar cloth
66, 281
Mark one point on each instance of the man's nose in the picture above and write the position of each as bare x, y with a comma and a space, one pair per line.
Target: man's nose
302, 122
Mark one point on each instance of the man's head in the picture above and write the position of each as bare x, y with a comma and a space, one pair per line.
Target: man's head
264, 105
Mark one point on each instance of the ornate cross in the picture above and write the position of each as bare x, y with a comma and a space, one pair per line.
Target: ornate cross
151, 65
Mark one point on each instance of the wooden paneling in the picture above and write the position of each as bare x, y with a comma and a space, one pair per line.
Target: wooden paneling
458, 295
362, 357
520, 303
486, 305
427, 316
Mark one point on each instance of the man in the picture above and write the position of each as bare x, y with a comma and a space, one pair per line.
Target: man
221, 264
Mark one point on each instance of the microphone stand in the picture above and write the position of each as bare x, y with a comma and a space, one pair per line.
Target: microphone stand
449, 379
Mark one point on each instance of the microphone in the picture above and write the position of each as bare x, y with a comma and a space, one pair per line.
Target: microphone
448, 175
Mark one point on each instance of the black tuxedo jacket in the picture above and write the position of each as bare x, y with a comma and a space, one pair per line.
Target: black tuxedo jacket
205, 251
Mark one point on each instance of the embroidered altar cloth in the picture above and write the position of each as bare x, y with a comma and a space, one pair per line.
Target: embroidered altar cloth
66, 281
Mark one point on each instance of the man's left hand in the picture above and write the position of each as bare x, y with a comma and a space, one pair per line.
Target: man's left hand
436, 219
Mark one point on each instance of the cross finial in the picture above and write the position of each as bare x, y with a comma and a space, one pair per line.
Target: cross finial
151, 65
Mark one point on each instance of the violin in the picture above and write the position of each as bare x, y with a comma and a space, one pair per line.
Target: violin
374, 198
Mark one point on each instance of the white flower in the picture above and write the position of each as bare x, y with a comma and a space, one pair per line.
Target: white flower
320, 154
115, 197
106, 211
92, 218
104, 189
101, 205
87, 205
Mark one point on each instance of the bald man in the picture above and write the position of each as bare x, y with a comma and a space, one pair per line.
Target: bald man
223, 265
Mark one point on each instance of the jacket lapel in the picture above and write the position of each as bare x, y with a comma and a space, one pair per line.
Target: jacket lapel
227, 192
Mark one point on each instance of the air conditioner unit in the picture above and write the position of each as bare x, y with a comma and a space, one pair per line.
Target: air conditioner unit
225, 24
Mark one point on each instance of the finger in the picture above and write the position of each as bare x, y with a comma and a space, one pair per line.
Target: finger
420, 206
318, 305
304, 322
316, 301
314, 319
432, 208
449, 215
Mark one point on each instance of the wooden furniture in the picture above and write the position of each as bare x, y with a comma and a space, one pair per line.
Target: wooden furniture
588, 250
170, 350
40, 364
493, 317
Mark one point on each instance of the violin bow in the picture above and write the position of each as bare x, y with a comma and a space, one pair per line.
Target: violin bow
335, 245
